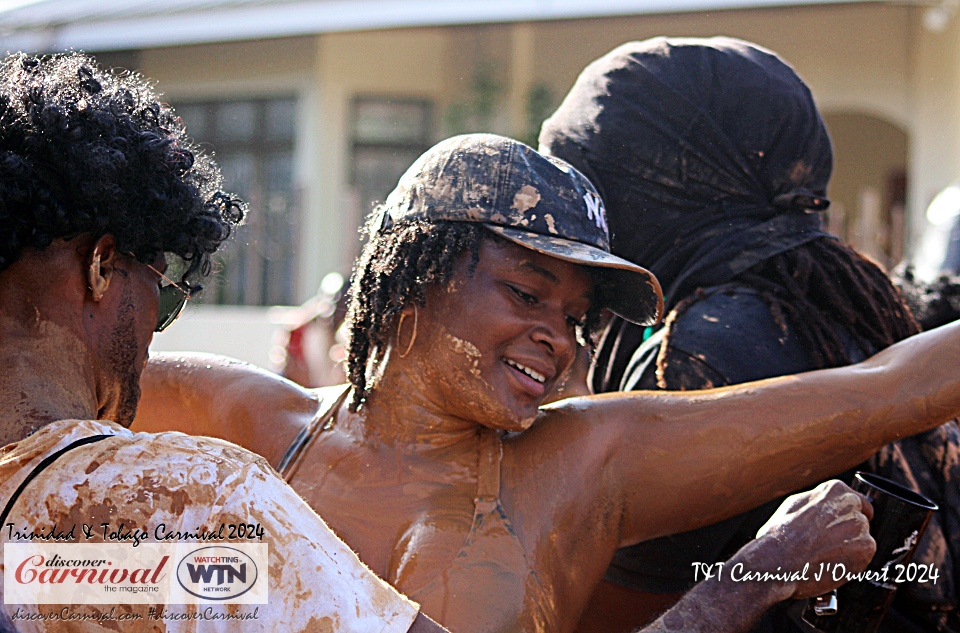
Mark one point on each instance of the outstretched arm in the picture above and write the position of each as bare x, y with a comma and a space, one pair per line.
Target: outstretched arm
683, 460
204, 394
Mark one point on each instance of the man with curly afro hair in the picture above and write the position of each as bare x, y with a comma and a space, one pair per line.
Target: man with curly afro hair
99, 187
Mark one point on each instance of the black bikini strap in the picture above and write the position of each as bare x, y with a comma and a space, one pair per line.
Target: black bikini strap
49, 459
286, 467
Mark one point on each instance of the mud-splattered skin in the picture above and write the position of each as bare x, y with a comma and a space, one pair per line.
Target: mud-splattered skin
412, 451
75, 324
397, 480
464, 362
64, 352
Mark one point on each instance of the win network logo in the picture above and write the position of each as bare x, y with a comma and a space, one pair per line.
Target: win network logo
116, 573
217, 573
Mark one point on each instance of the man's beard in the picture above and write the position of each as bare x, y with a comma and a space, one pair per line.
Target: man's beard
123, 363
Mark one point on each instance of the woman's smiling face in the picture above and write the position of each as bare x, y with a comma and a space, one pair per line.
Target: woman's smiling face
493, 343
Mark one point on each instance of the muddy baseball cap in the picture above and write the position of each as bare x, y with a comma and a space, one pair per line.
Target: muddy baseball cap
536, 201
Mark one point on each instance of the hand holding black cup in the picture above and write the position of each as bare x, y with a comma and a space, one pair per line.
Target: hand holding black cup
900, 518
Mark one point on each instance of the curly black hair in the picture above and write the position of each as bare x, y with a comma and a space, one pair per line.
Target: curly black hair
934, 303
89, 151
393, 270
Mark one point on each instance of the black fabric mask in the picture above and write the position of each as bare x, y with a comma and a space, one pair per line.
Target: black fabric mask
710, 154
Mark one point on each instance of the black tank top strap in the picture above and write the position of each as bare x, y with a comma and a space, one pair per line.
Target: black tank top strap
43, 465
488, 466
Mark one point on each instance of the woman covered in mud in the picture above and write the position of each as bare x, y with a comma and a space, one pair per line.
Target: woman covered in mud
438, 465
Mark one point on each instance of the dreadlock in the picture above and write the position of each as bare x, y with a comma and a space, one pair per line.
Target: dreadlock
394, 269
825, 283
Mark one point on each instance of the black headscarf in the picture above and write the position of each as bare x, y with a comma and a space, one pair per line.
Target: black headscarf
710, 154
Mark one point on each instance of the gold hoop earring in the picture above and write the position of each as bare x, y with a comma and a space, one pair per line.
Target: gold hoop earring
406, 352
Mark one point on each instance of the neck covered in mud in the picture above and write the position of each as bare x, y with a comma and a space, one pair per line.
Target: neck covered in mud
404, 412
49, 372
44, 378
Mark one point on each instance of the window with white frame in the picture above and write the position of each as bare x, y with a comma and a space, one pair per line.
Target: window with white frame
253, 142
388, 134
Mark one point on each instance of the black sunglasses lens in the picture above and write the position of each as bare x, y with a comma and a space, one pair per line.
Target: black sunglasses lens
172, 300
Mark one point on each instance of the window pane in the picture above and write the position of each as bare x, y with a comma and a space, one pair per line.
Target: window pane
234, 258
280, 231
380, 121
195, 118
237, 121
389, 134
239, 173
280, 119
258, 265
377, 171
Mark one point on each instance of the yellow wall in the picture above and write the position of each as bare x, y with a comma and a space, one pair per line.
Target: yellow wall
232, 69
399, 63
869, 153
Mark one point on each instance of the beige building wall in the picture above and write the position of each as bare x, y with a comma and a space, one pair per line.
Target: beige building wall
867, 210
398, 64
852, 56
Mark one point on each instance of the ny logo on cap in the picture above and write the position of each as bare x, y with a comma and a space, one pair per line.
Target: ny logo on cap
595, 210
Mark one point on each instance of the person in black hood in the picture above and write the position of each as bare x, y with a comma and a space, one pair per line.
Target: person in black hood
713, 162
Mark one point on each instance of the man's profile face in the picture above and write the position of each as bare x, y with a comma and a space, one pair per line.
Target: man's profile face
124, 340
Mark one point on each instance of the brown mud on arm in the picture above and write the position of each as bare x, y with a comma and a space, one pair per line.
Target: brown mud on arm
204, 394
717, 606
684, 460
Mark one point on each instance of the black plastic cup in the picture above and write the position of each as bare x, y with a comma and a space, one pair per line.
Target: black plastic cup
900, 517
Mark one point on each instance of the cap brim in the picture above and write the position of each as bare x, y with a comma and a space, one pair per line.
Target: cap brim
633, 292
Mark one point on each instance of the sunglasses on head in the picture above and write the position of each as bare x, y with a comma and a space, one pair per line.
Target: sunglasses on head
172, 300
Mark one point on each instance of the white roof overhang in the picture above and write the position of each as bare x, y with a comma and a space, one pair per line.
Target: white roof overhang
95, 25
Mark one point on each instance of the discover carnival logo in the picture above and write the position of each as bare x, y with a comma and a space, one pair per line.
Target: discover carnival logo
111, 573
217, 572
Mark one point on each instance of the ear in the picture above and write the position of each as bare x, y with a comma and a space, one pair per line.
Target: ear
101, 264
